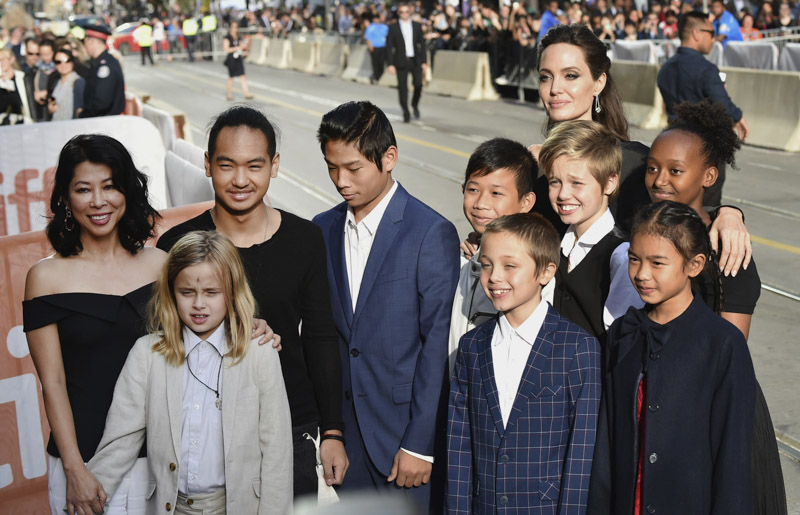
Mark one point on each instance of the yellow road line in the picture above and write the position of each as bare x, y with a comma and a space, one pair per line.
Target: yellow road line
775, 244
756, 239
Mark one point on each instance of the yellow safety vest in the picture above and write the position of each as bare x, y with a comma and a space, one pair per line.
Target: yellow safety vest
209, 23
78, 32
144, 35
189, 27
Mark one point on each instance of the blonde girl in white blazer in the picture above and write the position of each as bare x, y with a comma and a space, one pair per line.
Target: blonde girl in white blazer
218, 426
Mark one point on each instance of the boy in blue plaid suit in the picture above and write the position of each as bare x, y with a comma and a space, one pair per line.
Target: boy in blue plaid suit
526, 388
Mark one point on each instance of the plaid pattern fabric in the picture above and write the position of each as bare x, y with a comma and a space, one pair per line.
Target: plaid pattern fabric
541, 461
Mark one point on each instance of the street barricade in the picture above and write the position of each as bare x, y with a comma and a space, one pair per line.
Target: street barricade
638, 86
640, 51
258, 50
751, 54
279, 53
304, 56
774, 124
789, 61
330, 58
462, 74
359, 65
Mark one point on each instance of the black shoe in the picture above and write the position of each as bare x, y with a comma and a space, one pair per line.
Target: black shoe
416, 113
406, 117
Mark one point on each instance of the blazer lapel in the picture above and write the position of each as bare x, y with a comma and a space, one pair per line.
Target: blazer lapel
339, 264
231, 376
541, 352
174, 382
487, 375
384, 236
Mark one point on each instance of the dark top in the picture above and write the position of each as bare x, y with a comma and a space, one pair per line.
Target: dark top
396, 47
688, 76
105, 88
96, 332
10, 104
632, 190
233, 60
289, 279
580, 295
701, 396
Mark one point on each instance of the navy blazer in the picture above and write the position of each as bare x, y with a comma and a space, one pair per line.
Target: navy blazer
541, 460
394, 346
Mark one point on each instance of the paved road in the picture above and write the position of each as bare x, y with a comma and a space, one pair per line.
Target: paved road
433, 157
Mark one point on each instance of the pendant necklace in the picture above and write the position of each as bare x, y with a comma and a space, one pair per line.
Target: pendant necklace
218, 401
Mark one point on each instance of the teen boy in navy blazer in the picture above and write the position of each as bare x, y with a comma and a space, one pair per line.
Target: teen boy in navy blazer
393, 268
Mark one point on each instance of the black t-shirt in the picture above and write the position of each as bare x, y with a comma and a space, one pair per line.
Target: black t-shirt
289, 278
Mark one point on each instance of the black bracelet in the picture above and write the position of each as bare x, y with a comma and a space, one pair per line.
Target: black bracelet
331, 437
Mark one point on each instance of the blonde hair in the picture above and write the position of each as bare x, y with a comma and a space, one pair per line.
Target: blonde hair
586, 140
539, 235
10, 55
162, 313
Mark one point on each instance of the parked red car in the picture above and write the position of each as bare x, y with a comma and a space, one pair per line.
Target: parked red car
122, 39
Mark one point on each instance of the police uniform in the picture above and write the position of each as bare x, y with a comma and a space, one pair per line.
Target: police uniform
105, 84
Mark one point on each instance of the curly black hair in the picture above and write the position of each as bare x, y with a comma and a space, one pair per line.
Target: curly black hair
137, 224
710, 122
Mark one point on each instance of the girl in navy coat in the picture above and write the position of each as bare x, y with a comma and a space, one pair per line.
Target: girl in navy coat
676, 421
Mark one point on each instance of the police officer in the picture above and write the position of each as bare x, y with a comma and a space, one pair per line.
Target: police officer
208, 26
189, 29
105, 86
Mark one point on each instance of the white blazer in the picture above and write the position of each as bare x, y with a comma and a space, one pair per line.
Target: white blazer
256, 427
19, 81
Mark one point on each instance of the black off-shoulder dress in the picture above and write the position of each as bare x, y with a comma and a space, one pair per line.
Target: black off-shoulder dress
96, 332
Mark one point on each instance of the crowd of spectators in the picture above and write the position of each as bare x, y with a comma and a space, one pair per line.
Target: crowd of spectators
50, 76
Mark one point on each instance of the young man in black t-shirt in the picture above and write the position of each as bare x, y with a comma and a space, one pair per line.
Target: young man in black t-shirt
285, 260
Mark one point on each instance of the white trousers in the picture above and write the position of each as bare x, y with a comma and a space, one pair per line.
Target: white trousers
129, 499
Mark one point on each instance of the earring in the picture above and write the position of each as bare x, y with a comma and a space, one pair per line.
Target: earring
69, 222
597, 107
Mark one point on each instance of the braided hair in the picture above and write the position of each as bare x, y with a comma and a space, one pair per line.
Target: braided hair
710, 122
681, 225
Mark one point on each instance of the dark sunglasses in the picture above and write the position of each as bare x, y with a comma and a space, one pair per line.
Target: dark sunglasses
707, 31
63, 61
32, 53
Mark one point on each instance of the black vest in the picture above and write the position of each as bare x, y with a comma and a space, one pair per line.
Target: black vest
581, 294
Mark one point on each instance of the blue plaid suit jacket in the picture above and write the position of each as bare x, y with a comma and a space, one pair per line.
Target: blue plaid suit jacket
541, 461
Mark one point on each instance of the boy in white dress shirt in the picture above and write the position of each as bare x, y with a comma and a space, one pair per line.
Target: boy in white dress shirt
499, 181
526, 388
582, 160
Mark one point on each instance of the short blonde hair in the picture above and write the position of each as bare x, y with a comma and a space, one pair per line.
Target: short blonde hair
195, 248
541, 238
12, 56
586, 140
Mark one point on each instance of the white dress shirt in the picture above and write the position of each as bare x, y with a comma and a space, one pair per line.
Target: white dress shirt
621, 293
407, 29
202, 461
510, 351
358, 240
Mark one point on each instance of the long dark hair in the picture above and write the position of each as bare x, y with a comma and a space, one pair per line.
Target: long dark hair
611, 115
681, 225
137, 224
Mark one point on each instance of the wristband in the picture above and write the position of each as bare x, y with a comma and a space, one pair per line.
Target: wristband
331, 437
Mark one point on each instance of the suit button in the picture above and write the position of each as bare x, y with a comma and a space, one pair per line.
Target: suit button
504, 458
172, 467
566, 297
189, 501
650, 509
504, 500
653, 406
354, 352
168, 507
347, 394
653, 458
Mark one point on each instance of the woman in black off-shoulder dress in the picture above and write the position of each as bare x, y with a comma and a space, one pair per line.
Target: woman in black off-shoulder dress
84, 309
